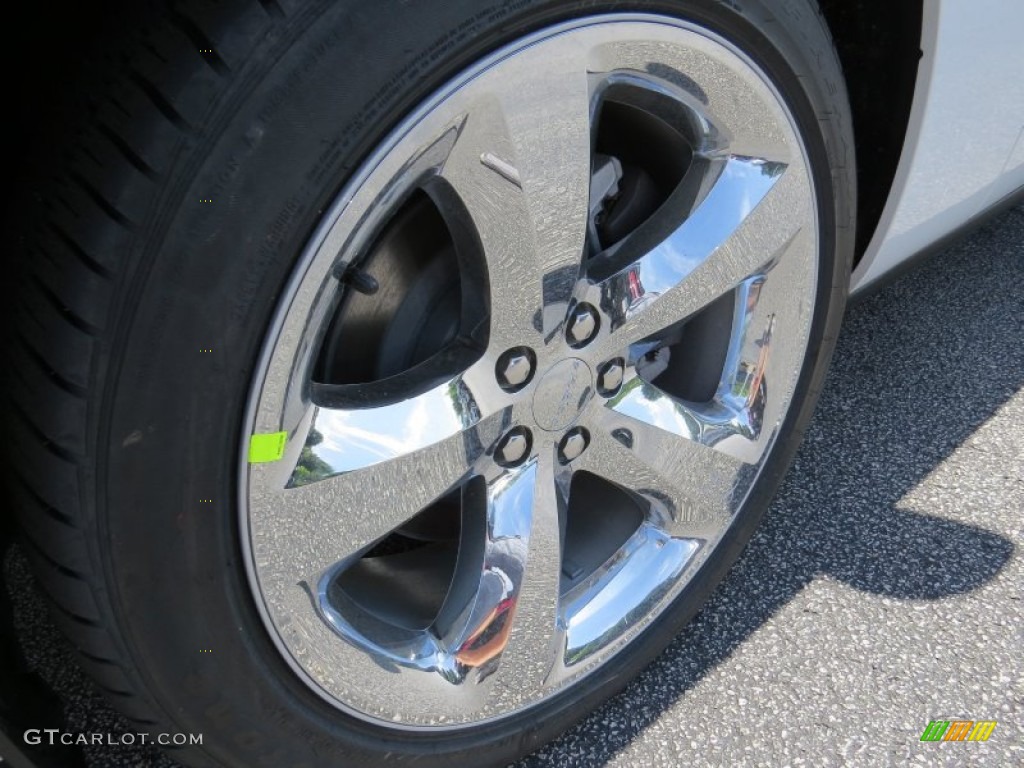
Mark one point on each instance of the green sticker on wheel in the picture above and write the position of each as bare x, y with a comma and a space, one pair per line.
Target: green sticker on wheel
266, 448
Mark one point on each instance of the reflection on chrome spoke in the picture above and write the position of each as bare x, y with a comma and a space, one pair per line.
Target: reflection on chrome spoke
467, 645
708, 424
346, 439
742, 183
626, 588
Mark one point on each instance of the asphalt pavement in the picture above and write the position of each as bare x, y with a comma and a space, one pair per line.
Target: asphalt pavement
883, 591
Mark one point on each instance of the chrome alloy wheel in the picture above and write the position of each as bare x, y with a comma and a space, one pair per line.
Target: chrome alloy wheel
528, 369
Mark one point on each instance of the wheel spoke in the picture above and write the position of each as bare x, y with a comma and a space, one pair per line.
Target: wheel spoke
604, 609
509, 623
687, 508
769, 339
753, 211
353, 427
520, 171
722, 425
689, 486
318, 524
535, 637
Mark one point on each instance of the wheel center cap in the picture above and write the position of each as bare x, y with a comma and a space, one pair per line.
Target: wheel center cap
561, 394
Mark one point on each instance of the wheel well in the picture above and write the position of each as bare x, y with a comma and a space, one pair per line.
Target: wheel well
879, 45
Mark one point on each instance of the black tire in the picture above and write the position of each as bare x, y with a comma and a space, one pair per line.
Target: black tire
121, 423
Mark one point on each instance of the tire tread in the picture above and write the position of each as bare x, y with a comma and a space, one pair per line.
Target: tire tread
148, 96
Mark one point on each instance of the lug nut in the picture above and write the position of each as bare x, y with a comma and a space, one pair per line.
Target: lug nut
582, 326
514, 447
515, 368
573, 444
624, 436
609, 377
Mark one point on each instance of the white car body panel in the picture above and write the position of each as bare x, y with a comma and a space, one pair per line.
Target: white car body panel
964, 149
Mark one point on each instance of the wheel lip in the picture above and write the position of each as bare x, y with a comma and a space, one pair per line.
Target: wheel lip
308, 256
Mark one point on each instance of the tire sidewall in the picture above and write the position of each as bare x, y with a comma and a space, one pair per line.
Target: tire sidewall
272, 156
